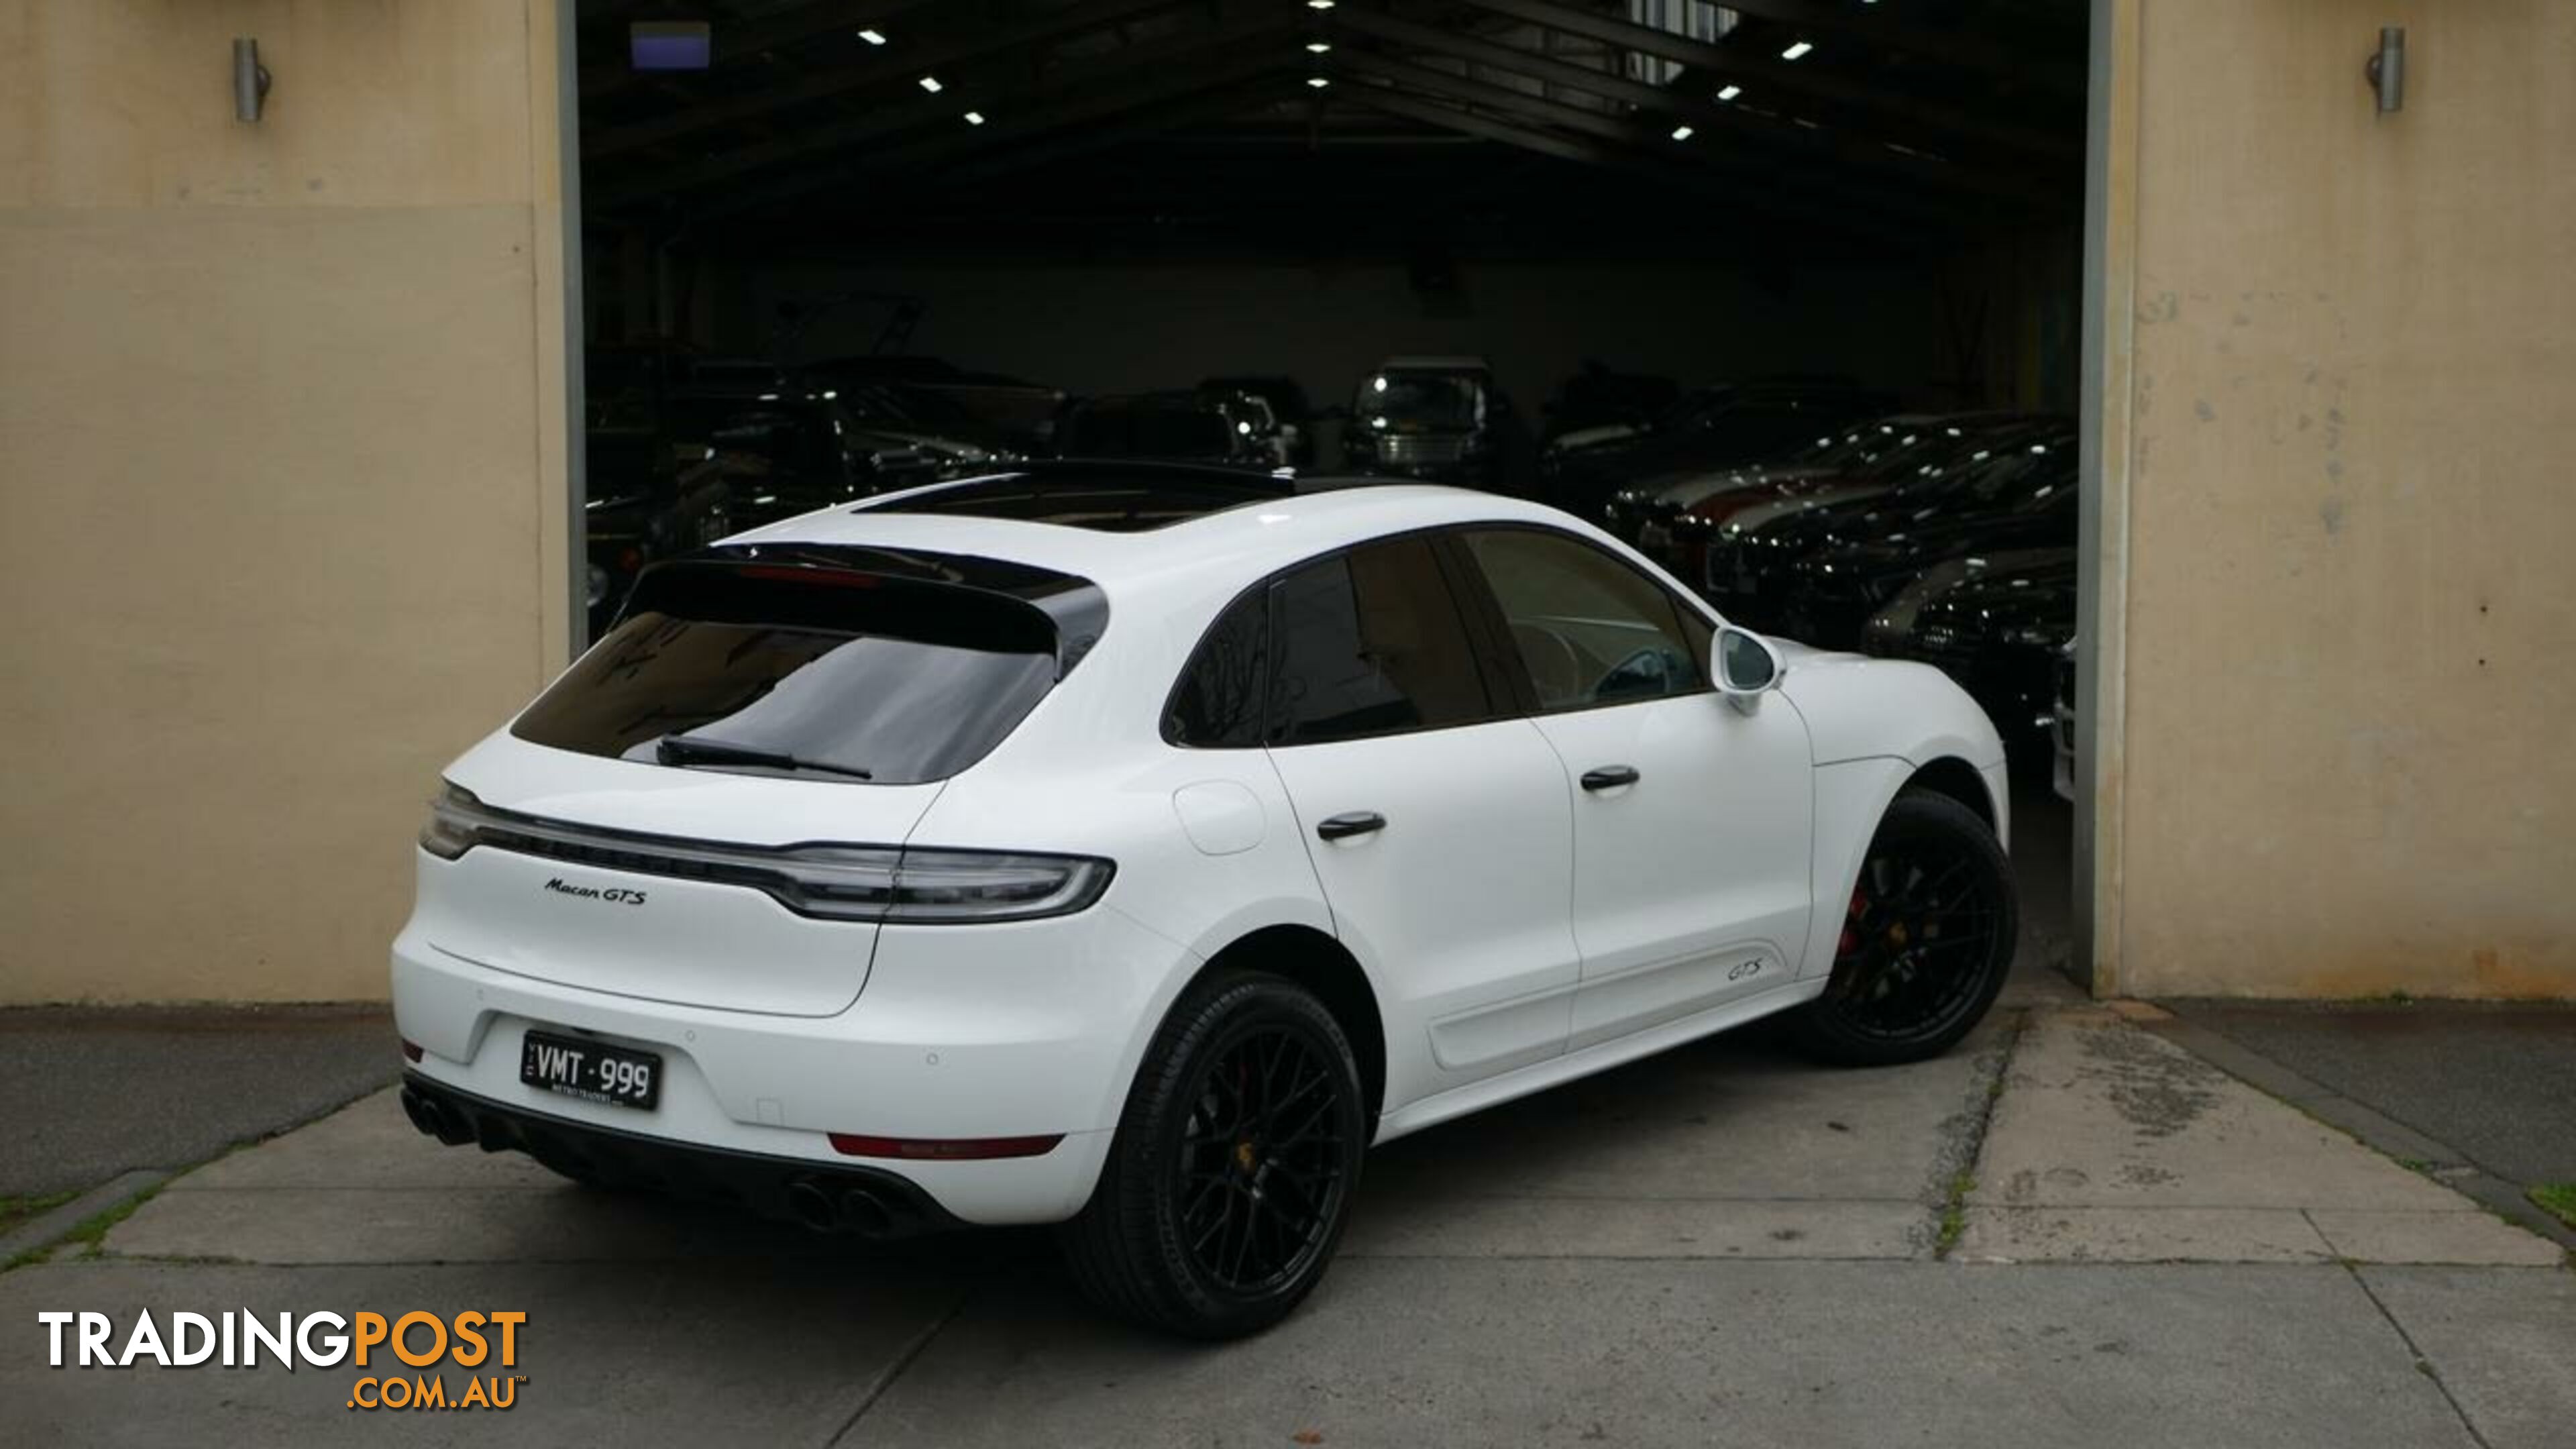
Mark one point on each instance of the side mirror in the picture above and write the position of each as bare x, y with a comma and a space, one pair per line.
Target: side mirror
1745, 667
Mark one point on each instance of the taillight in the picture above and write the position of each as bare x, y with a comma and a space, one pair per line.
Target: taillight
450, 831
918, 886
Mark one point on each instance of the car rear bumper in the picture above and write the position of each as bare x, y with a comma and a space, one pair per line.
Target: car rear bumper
828, 1197
962, 1034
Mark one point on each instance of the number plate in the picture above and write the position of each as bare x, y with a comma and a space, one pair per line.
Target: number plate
591, 1070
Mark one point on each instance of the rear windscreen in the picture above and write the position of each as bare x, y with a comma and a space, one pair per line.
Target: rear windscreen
836, 676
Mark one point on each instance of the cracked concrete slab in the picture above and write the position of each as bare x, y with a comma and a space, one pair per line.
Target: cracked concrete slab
2110, 1143
2503, 1341
2422, 1237
1573, 1227
1411, 1353
2140, 1235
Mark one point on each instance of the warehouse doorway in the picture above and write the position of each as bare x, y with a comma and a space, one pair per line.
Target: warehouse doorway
1676, 266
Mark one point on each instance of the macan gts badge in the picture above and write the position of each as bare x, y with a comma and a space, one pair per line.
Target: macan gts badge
1129, 848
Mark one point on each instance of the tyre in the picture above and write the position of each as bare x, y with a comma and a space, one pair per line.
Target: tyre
1233, 1169
1927, 939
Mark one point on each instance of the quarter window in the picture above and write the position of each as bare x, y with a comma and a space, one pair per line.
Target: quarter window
1590, 629
1218, 702
1371, 642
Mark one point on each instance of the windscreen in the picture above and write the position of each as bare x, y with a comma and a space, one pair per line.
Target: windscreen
780, 671
1422, 400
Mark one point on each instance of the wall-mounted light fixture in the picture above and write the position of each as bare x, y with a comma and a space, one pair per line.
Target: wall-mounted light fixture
250, 80
2387, 69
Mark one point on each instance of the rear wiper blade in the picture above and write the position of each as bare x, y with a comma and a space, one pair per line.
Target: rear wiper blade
694, 750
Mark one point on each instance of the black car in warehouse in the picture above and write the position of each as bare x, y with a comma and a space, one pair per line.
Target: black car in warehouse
1710, 427
1998, 623
2022, 499
1819, 573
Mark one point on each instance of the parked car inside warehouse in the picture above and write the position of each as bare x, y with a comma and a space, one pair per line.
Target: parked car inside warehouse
1711, 427
1826, 569
1022, 412
1997, 622
1598, 404
1172, 427
2021, 498
1439, 419
1669, 515
650, 499
1283, 421
785, 452
937, 426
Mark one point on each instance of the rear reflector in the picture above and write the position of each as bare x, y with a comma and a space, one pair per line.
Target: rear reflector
411, 1051
943, 1149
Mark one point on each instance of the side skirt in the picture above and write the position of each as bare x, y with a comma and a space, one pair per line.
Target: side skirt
1539, 1076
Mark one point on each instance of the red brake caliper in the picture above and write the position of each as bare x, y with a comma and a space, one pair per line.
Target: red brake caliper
1851, 923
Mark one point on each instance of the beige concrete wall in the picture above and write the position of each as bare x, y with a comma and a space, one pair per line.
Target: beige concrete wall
2350, 642
282, 472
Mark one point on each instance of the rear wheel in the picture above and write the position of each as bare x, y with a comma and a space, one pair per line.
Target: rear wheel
1927, 938
1230, 1179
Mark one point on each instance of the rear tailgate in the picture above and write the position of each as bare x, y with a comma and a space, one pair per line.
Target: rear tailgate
658, 936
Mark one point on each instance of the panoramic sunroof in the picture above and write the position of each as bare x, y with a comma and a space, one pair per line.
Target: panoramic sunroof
1132, 503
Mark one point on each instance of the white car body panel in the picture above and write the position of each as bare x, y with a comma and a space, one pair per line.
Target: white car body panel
1515, 929
1458, 907
1677, 905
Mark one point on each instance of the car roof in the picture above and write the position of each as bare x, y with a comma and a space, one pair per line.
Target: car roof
1258, 530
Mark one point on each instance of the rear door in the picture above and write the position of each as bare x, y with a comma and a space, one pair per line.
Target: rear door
1691, 818
1436, 817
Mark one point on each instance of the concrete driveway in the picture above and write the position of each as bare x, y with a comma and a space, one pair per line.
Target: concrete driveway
2069, 1232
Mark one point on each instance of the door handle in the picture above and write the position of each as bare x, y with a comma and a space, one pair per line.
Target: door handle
1350, 823
1610, 777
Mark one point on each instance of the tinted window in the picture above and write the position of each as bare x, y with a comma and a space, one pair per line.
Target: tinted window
1590, 628
852, 675
1371, 642
1217, 704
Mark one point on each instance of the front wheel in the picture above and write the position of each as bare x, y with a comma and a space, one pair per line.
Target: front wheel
1927, 939
1231, 1175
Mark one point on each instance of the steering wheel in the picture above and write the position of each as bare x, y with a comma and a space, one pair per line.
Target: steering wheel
1553, 665
1645, 674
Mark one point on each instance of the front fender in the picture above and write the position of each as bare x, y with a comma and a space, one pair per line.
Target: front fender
1860, 708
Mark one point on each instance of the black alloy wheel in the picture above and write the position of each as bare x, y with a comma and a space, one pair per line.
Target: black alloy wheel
1927, 938
1233, 1169
1260, 1161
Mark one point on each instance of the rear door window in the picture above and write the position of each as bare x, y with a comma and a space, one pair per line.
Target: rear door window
1372, 642
838, 676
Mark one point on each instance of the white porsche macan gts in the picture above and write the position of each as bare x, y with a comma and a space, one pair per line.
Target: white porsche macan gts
1130, 847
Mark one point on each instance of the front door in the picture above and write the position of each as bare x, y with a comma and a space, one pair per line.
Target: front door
1691, 818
